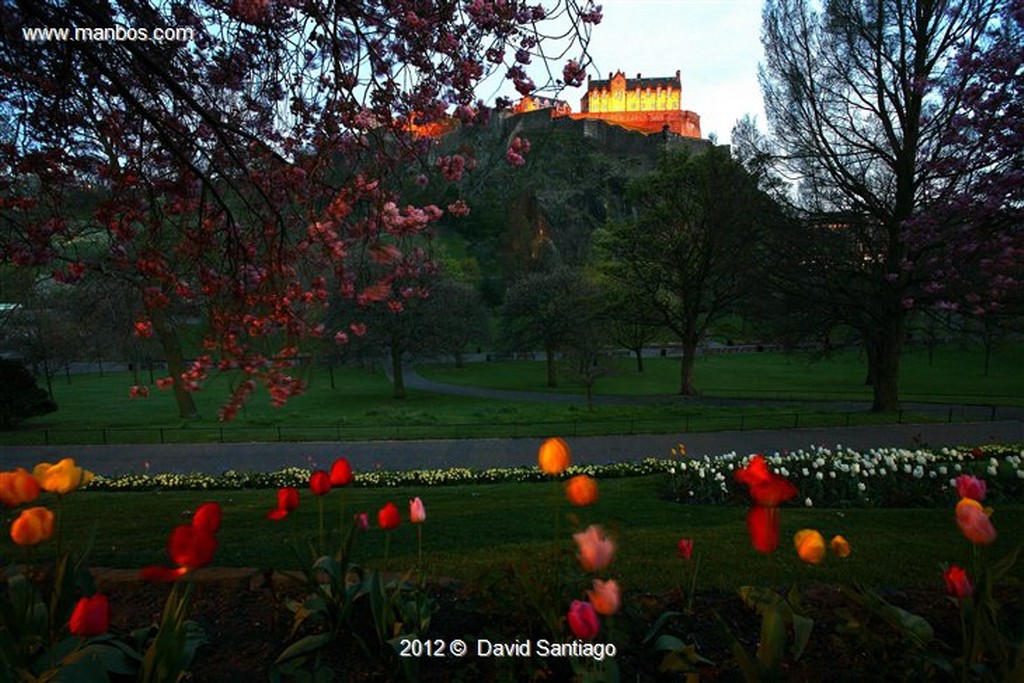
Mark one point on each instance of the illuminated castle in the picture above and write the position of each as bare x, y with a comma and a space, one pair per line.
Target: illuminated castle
648, 105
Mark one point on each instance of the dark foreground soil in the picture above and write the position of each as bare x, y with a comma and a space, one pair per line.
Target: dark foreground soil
248, 626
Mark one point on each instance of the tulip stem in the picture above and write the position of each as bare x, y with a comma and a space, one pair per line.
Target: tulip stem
693, 585
387, 545
320, 507
419, 547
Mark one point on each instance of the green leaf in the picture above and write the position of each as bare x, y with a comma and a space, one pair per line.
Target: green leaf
305, 646
658, 623
802, 627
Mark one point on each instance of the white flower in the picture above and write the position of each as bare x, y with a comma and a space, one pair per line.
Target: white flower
942, 470
855, 468
808, 502
861, 486
819, 476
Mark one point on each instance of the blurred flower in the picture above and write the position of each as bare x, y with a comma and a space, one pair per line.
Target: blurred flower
554, 456
32, 527
417, 513
388, 516
686, 548
595, 549
957, 583
341, 473
208, 517
583, 620
767, 490
18, 487
287, 501
91, 616
64, 477
974, 522
363, 521
840, 546
810, 545
581, 490
605, 597
189, 546
970, 487
320, 483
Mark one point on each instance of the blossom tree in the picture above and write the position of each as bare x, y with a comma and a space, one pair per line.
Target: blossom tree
230, 160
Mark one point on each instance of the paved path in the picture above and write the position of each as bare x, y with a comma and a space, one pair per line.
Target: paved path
484, 453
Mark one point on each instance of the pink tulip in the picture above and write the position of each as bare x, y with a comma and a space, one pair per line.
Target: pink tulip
595, 549
583, 620
417, 513
363, 521
686, 548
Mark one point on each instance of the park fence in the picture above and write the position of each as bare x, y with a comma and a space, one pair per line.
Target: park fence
342, 431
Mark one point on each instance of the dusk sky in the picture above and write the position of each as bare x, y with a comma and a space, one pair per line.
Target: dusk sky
715, 44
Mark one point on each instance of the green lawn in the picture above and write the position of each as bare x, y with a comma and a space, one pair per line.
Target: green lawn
477, 532
96, 409
953, 375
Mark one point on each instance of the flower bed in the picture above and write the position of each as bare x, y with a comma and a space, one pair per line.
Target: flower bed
562, 615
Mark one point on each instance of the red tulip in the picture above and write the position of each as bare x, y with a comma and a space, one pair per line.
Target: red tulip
685, 548
287, 500
91, 616
207, 517
583, 620
190, 546
957, 583
388, 517
766, 488
341, 473
763, 526
363, 521
320, 483
971, 487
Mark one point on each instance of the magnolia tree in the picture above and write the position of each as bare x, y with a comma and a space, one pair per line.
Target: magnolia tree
231, 160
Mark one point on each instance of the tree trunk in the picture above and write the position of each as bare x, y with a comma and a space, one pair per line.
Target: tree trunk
639, 359
549, 356
887, 347
167, 335
686, 387
397, 378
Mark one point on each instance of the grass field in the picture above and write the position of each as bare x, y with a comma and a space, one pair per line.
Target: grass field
478, 532
96, 409
952, 375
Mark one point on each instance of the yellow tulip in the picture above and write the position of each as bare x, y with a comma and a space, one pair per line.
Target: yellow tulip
64, 477
554, 456
32, 527
810, 545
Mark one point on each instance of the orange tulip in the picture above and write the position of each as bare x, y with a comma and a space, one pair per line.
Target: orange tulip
581, 490
810, 545
554, 456
18, 487
606, 597
974, 522
32, 527
840, 546
64, 477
